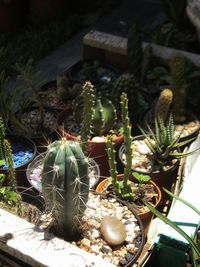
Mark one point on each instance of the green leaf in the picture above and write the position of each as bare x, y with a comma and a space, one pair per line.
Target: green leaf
141, 177
175, 227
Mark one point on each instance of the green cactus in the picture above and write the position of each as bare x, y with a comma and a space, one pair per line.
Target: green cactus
65, 184
135, 51
66, 90
179, 85
126, 83
122, 188
99, 115
7, 155
163, 104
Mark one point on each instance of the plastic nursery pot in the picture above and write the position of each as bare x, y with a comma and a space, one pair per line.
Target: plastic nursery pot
34, 173
24, 151
162, 179
96, 147
146, 217
106, 72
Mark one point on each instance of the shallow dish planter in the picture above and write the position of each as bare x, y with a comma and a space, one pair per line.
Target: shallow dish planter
24, 151
96, 147
34, 170
144, 214
142, 164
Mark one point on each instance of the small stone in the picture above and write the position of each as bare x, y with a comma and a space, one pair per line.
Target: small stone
106, 249
113, 230
129, 256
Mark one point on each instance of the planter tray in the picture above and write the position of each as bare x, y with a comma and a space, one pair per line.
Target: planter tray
36, 248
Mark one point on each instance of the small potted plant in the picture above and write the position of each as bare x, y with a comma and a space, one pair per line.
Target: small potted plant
91, 119
157, 153
129, 186
77, 214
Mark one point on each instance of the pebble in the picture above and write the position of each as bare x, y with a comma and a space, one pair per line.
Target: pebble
113, 230
95, 211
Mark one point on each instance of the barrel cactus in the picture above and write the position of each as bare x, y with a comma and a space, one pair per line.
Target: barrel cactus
103, 111
65, 184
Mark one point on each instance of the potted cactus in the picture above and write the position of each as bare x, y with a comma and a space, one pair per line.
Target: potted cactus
94, 117
65, 188
129, 186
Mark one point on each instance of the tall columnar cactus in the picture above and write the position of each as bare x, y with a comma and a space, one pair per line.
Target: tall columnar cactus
7, 155
179, 84
96, 116
163, 104
122, 188
65, 184
134, 51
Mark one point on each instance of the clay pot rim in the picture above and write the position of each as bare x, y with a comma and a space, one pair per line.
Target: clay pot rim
120, 176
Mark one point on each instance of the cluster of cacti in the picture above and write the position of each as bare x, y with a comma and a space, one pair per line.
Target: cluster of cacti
135, 51
163, 104
65, 184
7, 155
97, 114
179, 85
122, 188
66, 91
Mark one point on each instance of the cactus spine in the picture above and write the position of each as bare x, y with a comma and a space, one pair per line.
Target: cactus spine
177, 68
163, 104
122, 188
65, 184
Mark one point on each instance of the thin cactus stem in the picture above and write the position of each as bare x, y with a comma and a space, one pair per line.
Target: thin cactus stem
127, 139
111, 160
88, 111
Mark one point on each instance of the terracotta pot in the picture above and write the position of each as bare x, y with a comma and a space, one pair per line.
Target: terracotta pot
162, 179
146, 217
96, 150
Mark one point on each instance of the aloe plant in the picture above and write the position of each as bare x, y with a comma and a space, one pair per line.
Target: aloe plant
163, 143
194, 243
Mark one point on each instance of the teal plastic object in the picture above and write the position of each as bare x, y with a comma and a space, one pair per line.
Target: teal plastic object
167, 256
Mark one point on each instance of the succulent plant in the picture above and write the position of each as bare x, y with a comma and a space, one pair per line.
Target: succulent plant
122, 188
98, 114
65, 184
163, 104
6, 155
163, 143
126, 83
179, 86
66, 90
